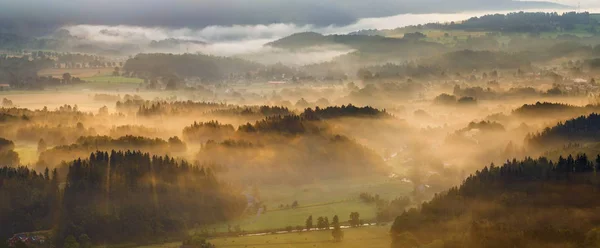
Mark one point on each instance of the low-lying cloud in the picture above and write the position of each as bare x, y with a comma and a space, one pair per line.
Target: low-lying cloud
246, 40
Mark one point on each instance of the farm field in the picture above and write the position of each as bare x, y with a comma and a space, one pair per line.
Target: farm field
76, 72
112, 79
296, 217
96, 79
337, 197
373, 236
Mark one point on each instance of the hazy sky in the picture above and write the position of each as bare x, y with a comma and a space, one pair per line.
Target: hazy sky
584, 3
203, 13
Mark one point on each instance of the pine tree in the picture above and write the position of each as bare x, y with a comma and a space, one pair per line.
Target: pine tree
309, 223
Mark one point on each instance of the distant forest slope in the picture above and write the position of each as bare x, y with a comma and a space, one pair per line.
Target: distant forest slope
528, 203
188, 65
580, 129
361, 43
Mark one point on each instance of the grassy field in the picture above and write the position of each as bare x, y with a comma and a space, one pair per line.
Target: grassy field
293, 217
96, 79
374, 236
80, 72
335, 197
112, 79
333, 191
120, 84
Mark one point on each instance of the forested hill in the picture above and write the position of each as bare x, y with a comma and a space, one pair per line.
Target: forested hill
114, 197
580, 129
528, 203
522, 22
362, 43
188, 65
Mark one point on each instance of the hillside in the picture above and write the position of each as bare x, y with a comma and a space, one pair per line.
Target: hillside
361, 43
527, 203
188, 65
580, 129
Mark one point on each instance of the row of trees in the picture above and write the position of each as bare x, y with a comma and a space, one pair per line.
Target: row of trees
149, 108
323, 223
261, 111
343, 111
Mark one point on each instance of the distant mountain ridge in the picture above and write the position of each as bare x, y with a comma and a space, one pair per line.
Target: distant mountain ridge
194, 14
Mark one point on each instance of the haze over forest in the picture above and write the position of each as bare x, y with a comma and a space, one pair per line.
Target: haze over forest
285, 123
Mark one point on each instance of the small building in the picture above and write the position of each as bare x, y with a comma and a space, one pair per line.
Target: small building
30, 240
4, 87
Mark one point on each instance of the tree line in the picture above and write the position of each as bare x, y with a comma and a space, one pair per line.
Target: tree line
580, 129
116, 196
526, 203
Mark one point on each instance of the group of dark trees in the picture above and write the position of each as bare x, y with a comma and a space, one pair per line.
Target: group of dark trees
365, 45
355, 220
159, 108
22, 73
110, 197
513, 205
196, 241
553, 110
205, 67
527, 22
460, 63
77, 60
133, 130
204, 131
287, 124
86, 144
260, 111
8, 157
30, 200
343, 111
580, 129
133, 196
114, 197
323, 223
484, 126
451, 100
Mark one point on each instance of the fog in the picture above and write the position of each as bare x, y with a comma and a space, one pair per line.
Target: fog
234, 12
247, 40
411, 130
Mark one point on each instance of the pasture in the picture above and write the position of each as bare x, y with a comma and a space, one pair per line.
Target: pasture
326, 199
373, 236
